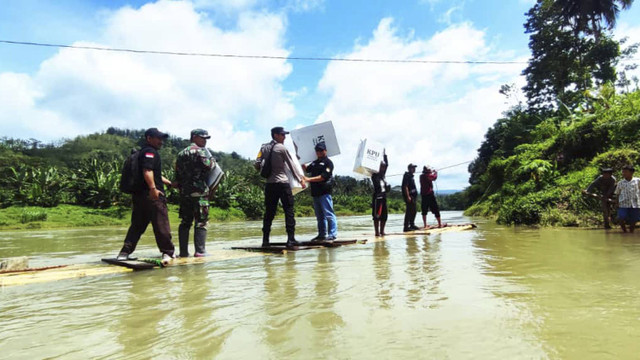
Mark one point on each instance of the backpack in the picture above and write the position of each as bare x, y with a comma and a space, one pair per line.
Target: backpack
265, 167
131, 177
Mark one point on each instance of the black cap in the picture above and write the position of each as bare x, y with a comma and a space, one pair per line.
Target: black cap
278, 130
412, 166
606, 170
425, 169
154, 132
629, 167
321, 146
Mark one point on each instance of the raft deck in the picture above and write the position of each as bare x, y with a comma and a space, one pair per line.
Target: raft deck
49, 274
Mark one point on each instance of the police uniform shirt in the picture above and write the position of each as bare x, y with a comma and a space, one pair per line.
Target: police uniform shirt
150, 159
409, 182
324, 168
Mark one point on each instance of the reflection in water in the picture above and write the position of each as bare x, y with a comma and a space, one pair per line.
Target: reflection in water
137, 323
280, 303
383, 273
201, 336
431, 267
569, 281
324, 319
423, 271
418, 283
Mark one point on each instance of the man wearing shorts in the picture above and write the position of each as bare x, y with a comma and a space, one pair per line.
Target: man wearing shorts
628, 194
428, 197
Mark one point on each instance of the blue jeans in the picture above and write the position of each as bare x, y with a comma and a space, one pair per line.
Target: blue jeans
323, 207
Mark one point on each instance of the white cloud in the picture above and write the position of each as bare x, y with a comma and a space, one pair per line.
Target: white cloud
434, 114
632, 34
230, 6
79, 91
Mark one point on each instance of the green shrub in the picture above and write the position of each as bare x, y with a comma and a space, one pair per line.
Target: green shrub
32, 215
616, 159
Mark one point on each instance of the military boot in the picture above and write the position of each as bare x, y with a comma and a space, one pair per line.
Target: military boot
199, 238
183, 239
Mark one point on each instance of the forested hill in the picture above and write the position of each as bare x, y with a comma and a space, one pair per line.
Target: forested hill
582, 112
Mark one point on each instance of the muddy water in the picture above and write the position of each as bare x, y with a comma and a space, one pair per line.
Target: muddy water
496, 292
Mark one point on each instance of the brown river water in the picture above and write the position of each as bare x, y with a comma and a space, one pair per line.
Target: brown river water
491, 293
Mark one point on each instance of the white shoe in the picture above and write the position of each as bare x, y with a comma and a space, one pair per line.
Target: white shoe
166, 259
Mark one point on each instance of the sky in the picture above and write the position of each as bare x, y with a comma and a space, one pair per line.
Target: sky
427, 114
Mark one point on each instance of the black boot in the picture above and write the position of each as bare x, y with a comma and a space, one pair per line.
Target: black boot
183, 239
291, 241
265, 239
200, 238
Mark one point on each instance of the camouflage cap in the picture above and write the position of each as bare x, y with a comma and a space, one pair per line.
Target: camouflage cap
200, 132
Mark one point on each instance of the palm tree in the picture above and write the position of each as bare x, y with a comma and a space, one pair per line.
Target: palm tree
589, 15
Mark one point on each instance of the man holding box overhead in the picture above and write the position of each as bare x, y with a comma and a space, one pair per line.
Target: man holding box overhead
321, 180
271, 162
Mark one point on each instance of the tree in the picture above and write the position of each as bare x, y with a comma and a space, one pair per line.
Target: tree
563, 63
588, 16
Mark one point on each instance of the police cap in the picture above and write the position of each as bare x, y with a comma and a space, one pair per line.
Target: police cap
278, 130
154, 132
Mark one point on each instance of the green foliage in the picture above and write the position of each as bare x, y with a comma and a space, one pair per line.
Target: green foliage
28, 216
538, 170
96, 184
542, 182
36, 186
251, 202
568, 56
616, 159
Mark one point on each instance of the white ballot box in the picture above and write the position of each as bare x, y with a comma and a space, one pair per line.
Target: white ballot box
368, 159
296, 187
306, 138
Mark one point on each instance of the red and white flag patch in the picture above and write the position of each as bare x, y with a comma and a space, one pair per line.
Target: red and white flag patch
149, 155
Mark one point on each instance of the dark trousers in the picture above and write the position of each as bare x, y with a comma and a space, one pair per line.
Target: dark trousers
273, 193
147, 211
410, 212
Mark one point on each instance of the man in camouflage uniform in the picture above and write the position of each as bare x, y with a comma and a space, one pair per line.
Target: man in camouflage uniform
192, 168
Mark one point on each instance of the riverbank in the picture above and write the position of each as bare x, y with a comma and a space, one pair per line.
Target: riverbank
75, 216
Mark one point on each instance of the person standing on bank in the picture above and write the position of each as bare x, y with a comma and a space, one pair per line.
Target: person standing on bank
410, 193
192, 168
379, 202
274, 155
149, 202
320, 181
606, 185
428, 197
628, 194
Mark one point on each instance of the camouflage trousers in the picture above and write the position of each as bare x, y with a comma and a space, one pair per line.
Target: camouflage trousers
193, 209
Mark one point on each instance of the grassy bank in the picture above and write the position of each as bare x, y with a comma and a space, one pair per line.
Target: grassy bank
75, 216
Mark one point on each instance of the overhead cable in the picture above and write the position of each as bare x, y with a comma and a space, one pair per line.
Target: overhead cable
270, 57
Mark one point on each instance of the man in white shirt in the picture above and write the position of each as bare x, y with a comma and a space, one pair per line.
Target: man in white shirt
628, 194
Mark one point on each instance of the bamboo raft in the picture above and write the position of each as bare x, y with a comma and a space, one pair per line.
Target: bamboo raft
62, 272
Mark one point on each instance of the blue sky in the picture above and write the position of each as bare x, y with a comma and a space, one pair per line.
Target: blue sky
426, 114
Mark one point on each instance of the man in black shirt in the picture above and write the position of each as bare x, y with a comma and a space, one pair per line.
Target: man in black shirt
149, 202
321, 178
409, 193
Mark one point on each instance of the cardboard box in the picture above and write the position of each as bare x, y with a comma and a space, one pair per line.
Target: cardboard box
368, 159
306, 138
296, 187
